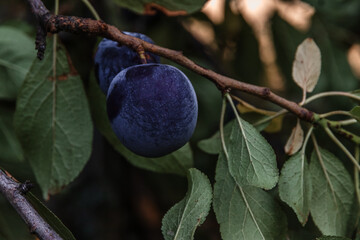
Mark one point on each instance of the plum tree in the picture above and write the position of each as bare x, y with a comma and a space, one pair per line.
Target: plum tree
111, 58
152, 108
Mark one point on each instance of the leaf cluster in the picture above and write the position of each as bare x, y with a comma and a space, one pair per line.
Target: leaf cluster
254, 196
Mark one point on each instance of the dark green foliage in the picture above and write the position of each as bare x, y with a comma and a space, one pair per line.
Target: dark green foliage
50, 138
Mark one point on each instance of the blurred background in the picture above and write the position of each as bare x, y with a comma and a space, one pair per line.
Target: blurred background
250, 40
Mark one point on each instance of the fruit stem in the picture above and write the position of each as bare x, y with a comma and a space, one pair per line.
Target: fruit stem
142, 56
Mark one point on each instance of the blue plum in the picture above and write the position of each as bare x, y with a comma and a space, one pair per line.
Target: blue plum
152, 109
111, 58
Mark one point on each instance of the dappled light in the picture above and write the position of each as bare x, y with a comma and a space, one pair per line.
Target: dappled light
215, 10
354, 59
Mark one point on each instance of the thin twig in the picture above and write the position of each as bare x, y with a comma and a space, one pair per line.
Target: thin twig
15, 192
58, 23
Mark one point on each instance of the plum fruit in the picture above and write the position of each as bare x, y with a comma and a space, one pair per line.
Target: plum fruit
111, 58
152, 109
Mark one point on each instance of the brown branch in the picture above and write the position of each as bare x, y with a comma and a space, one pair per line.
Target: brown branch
58, 23
15, 192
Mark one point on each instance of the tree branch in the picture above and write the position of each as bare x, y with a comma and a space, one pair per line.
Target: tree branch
57, 23
15, 192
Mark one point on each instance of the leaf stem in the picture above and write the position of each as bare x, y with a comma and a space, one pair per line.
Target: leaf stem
342, 147
54, 81
269, 114
307, 137
347, 122
356, 173
336, 127
331, 93
251, 107
92, 9
316, 146
55, 43
56, 7
269, 118
337, 112
222, 116
227, 95
308, 100
303, 97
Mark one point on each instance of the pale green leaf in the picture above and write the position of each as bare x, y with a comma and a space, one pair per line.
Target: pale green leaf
295, 185
169, 7
245, 212
181, 221
295, 140
52, 120
10, 147
307, 65
177, 162
252, 160
355, 112
17, 51
212, 145
332, 194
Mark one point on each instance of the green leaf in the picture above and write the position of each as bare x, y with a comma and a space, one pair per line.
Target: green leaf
295, 185
332, 194
10, 147
245, 212
177, 162
50, 217
52, 120
332, 238
251, 159
150, 6
212, 145
17, 52
355, 112
181, 221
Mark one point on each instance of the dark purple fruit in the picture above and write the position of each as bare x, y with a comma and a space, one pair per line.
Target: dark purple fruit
111, 58
152, 109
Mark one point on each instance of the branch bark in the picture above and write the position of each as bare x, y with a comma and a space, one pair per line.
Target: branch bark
15, 192
57, 23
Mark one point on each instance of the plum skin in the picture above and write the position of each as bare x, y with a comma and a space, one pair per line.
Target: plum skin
111, 58
152, 109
